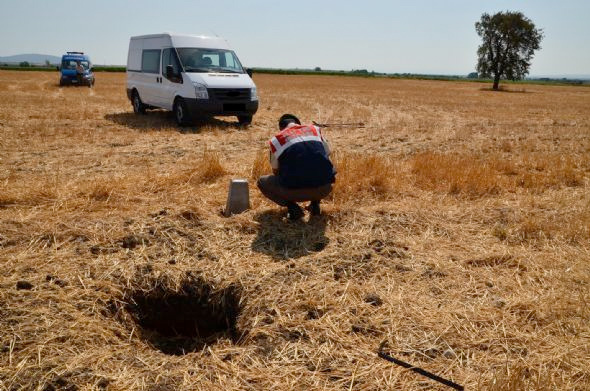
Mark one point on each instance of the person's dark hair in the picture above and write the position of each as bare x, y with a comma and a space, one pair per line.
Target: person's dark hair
286, 119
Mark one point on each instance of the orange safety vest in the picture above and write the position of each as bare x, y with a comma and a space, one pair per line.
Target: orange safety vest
293, 135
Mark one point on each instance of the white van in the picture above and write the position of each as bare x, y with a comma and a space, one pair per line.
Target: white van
194, 76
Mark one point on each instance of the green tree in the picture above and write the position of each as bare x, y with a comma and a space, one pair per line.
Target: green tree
509, 42
24, 64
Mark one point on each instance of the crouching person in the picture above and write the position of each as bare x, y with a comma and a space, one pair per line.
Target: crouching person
299, 157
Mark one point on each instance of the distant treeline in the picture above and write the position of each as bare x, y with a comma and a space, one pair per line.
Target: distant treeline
53, 68
472, 77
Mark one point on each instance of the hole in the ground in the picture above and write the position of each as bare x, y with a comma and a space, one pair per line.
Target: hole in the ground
186, 320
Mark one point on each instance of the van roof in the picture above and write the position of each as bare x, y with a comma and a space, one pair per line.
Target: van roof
188, 40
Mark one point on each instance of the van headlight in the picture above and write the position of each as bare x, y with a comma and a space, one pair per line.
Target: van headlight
253, 94
201, 91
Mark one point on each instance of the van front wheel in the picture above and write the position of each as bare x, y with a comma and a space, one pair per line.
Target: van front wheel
181, 113
245, 120
138, 106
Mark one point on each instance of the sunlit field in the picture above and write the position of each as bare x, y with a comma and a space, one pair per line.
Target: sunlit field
458, 233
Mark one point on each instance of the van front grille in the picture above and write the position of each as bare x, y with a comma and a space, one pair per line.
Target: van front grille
229, 94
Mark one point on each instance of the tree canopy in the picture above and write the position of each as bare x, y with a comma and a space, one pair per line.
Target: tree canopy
509, 43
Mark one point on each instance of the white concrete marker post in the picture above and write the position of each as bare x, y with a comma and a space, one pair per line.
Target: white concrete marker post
238, 197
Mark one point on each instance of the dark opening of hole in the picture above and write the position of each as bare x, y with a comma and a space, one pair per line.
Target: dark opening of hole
183, 321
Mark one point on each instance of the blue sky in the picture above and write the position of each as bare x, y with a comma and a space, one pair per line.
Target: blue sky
421, 36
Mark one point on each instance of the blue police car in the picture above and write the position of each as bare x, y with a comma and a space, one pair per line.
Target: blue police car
76, 69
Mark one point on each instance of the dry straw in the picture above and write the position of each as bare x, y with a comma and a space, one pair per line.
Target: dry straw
457, 232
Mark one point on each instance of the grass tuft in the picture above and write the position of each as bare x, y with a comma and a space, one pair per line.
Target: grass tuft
261, 165
457, 174
210, 168
364, 176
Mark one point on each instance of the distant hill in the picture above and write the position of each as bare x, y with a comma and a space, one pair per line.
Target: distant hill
30, 58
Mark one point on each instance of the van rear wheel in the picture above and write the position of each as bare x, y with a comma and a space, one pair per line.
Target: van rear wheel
181, 113
138, 106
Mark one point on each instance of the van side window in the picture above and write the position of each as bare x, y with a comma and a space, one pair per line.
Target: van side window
169, 57
150, 61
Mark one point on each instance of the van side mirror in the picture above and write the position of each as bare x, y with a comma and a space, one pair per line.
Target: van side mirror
249, 72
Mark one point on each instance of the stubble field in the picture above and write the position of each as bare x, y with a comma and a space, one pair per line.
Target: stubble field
458, 233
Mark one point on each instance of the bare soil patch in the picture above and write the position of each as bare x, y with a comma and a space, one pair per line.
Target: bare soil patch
185, 320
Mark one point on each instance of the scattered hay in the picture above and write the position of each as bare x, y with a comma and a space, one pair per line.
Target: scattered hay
507, 261
520, 377
458, 231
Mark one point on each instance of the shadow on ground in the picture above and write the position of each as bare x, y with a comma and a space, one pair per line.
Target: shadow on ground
163, 119
506, 90
284, 239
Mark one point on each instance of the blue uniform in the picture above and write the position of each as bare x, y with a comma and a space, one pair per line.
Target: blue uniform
303, 159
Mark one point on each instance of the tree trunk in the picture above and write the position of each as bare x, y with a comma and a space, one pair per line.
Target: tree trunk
496, 82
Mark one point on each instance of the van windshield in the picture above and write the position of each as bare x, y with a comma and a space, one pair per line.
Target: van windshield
71, 64
209, 60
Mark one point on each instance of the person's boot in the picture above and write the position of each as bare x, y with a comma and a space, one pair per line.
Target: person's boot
294, 211
314, 208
